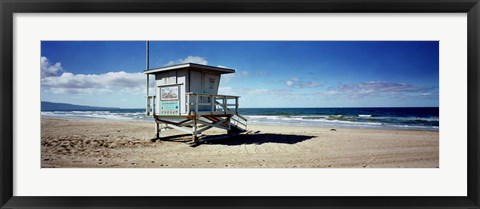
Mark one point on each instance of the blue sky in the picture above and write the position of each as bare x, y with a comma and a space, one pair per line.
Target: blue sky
268, 73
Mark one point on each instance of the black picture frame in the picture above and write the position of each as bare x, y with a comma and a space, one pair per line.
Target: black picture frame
10, 7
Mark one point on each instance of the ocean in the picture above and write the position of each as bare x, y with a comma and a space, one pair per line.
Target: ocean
418, 118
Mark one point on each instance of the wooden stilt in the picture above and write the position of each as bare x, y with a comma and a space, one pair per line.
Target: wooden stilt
194, 128
230, 131
157, 132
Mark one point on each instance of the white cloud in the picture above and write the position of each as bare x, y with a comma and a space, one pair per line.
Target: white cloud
93, 84
380, 88
289, 83
253, 91
296, 82
244, 73
112, 82
48, 69
189, 59
226, 91
226, 78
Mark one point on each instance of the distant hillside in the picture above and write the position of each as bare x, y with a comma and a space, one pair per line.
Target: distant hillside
51, 106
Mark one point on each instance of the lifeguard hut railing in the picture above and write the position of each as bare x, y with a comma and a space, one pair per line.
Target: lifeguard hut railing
211, 104
202, 104
150, 109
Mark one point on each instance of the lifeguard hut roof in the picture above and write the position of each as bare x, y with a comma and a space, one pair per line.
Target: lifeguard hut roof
194, 66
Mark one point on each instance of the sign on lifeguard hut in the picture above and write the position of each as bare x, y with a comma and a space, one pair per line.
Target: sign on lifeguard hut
169, 100
190, 91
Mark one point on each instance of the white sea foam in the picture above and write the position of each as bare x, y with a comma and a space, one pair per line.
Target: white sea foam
360, 121
98, 115
337, 121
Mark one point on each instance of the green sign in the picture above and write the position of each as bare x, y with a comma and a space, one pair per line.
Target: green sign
169, 108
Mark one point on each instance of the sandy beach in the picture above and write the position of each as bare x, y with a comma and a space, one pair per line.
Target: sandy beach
86, 143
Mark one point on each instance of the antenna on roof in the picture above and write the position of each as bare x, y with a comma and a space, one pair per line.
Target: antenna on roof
147, 66
148, 77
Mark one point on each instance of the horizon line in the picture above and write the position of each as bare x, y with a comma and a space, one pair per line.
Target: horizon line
263, 107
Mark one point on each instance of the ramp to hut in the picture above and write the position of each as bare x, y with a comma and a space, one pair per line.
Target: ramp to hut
235, 125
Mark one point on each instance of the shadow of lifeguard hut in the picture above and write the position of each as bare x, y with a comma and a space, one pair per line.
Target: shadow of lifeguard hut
186, 99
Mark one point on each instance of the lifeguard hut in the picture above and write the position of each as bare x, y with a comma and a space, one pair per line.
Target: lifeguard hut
186, 99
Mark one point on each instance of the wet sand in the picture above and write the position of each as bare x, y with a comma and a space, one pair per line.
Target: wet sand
86, 143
